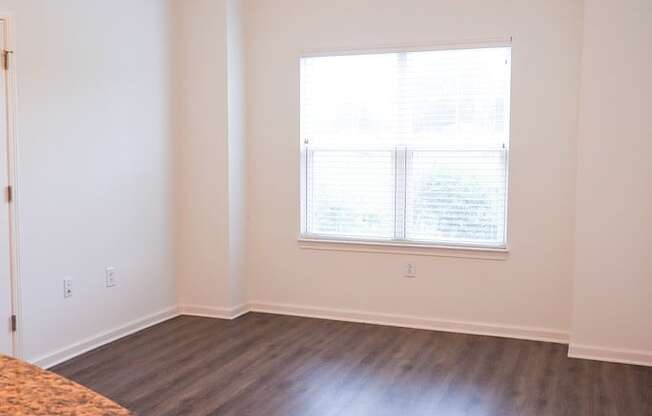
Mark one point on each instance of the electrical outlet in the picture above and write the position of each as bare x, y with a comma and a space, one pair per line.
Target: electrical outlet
67, 287
110, 277
410, 270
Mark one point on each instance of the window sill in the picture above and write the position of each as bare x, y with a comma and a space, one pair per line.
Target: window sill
482, 253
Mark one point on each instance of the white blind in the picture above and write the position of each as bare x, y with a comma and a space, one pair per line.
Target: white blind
456, 196
351, 193
406, 146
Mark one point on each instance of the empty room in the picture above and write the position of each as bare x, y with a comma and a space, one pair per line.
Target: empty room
325, 207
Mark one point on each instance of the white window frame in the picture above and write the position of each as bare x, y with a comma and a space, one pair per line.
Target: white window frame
399, 246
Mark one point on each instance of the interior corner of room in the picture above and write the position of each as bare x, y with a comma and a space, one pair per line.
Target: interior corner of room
168, 159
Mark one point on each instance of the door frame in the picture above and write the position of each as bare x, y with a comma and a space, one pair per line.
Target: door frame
12, 156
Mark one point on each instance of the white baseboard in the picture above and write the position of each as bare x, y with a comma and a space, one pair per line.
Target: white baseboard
57, 357
623, 356
407, 321
588, 352
213, 311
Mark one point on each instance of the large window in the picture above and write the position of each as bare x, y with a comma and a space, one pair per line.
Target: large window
406, 147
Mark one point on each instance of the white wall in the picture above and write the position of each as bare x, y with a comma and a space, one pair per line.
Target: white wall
95, 158
211, 147
613, 277
237, 151
201, 129
533, 286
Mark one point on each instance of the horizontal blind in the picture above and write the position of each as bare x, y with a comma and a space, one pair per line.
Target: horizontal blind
408, 146
420, 98
350, 193
456, 197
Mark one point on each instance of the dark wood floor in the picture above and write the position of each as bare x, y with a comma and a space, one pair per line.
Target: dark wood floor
262, 364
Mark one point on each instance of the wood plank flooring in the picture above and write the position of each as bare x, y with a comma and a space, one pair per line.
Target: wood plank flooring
263, 364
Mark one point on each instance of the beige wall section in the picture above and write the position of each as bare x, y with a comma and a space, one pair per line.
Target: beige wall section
202, 147
237, 151
95, 157
613, 278
209, 90
532, 287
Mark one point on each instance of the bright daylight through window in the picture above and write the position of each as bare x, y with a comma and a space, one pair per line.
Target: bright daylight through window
408, 147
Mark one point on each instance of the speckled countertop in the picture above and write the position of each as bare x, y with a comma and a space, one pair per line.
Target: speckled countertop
26, 390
